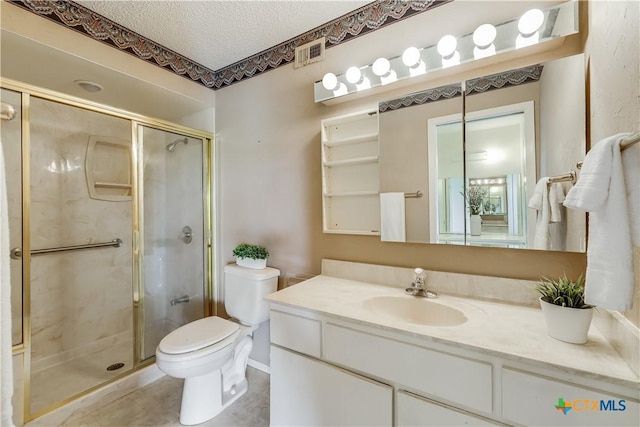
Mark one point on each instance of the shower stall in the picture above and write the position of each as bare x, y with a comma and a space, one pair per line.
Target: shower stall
110, 230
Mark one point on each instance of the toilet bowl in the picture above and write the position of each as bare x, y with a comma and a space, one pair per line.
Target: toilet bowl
211, 354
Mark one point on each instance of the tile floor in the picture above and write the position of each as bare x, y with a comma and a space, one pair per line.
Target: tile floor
158, 405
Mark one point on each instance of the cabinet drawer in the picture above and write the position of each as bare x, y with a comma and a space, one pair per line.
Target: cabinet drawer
532, 400
295, 332
414, 410
456, 379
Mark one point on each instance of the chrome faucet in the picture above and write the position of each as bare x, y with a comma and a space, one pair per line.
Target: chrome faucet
182, 300
419, 286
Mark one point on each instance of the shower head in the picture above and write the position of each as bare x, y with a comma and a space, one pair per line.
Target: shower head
172, 146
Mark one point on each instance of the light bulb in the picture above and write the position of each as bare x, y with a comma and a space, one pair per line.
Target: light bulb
530, 21
353, 75
330, 81
447, 46
341, 89
381, 67
484, 35
411, 57
363, 84
391, 77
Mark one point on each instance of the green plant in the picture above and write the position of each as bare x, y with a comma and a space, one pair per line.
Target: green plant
563, 291
474, 198
245, 250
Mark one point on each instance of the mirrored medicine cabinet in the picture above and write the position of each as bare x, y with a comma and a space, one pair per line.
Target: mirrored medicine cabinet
475, 151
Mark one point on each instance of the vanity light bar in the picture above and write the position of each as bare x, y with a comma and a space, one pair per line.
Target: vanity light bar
533, 27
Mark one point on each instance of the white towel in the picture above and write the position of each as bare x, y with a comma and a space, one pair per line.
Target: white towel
600, 190
6, 369
556, 197
392, 217
546, 200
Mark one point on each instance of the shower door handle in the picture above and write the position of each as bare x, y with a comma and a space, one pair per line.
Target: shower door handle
187, 234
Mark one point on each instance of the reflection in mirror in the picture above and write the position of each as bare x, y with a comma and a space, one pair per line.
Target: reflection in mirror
496, 141
526, 125
521, 125
404, 153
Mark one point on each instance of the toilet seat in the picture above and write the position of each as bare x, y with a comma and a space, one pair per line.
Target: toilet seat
198, 335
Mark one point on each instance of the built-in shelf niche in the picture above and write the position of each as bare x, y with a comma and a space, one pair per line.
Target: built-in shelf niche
351, 173
108, 168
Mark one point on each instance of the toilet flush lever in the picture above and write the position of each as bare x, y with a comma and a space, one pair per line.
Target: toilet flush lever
187, 234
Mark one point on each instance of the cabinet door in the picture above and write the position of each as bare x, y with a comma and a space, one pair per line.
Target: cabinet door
417, 411
306, 392
535, 400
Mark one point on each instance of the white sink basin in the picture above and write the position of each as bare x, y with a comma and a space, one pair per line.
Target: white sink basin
420, 311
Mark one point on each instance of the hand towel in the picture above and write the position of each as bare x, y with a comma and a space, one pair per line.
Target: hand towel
392, 217
546, 199
6, 369
556, 197
601, 191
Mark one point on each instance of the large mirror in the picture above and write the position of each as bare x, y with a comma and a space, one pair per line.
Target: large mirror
478, 177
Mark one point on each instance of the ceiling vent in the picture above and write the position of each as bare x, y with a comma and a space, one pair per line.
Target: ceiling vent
309, 53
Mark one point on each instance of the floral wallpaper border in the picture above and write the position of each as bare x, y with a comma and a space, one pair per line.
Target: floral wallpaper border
371, 17
474, 86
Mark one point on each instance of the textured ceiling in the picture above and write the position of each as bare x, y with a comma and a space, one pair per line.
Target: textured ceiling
217, 33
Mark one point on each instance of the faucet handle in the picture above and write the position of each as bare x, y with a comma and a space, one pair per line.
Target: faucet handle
418, 277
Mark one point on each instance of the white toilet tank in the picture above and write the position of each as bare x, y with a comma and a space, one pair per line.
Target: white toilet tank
244, 292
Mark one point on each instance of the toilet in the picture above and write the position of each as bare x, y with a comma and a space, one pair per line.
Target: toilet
211, 354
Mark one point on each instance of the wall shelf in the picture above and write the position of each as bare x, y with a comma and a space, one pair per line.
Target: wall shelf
354, 161
351, 174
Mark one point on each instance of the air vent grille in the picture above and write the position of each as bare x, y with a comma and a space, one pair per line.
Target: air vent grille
309, 53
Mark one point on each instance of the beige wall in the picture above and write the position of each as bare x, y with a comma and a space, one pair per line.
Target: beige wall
268, 132
614, 71
404, 158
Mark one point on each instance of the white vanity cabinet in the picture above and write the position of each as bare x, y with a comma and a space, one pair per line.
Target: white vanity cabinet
324, 373
328, 370
351, 174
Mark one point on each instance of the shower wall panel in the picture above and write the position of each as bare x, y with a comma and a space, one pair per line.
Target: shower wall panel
80, 300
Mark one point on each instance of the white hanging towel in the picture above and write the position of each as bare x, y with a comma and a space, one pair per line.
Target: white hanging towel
600, 190
6, 370
546, 200
392, 217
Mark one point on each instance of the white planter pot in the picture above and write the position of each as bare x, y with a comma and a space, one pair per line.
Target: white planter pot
475, 225
256, 264
567, 324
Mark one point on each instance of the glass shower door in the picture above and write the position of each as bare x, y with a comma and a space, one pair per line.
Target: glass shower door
81, 311
172, 199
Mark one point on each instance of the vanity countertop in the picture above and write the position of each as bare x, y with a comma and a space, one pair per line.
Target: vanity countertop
508, 331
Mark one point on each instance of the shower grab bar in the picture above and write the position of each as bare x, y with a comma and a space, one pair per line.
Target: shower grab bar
16, 253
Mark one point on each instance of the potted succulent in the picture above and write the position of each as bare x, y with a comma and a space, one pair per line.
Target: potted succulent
566, 314
251, 256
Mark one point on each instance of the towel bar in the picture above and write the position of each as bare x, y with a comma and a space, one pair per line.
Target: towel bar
417, 194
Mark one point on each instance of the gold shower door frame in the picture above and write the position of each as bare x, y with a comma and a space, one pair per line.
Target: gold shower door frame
138, 122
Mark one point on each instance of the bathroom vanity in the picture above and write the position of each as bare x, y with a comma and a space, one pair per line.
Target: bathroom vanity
346, 352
